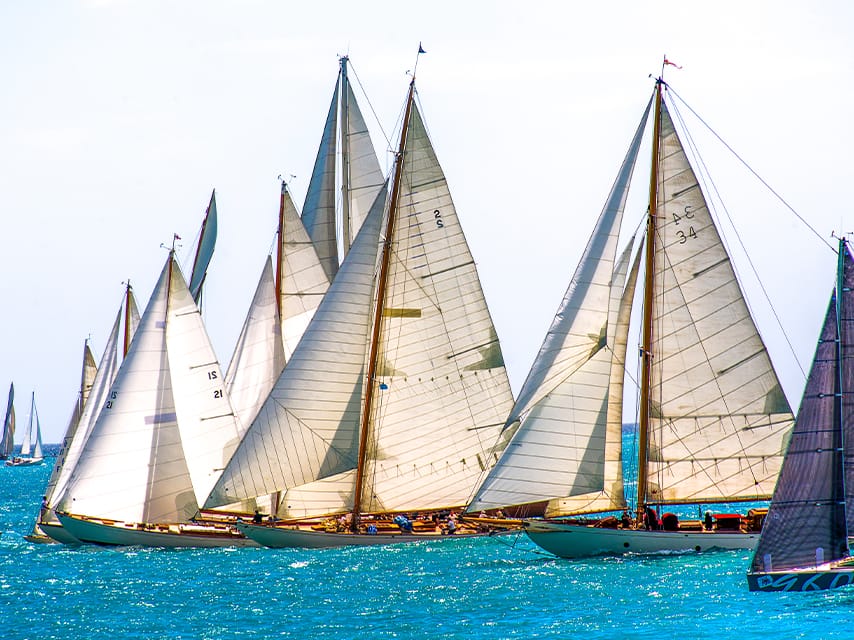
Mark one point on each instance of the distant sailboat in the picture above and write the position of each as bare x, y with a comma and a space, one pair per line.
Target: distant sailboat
31, 448
397, 390
7, 441
713, 417
804, 542
355, 170
94, 387
161, 437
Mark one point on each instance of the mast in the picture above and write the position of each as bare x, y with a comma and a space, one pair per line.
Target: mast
127, 337
378, 311
345, 159
280, 253
646, 331
839, 494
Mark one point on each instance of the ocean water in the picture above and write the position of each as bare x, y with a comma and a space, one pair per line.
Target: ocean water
486, 588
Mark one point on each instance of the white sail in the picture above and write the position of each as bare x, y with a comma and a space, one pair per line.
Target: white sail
104, 379
37, 447
304, 280
259, 356
441, 389
27, 442
559, 449
719, 418
364, 174
318, 211
307, 428
206, 422
610, 494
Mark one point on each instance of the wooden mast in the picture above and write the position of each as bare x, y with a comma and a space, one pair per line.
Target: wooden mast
378, 311
345, 159
127, 336
646, 330
280, 250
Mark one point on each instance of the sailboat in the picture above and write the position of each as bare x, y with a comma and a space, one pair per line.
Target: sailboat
7, 440
804, 542
713, 418
397, 391
31, 448
355, 171
161, 437
95, 384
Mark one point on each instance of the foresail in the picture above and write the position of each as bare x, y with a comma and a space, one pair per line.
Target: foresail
207, 424
318, 212
609, 494
806, 519
365, 176
27, 442
559, 449
205, 250
87, 376
307, 428
132, 465
73, 444
37, 447
259, 356
7, 441
304, 279
719, 418
441, 389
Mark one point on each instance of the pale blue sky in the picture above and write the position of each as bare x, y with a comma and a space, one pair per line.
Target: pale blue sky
118, 117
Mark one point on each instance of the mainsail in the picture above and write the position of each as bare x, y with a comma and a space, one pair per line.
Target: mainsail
432, 366
716, 419
358, 174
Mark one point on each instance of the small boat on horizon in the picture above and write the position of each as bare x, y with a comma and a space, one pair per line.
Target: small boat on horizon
31, 448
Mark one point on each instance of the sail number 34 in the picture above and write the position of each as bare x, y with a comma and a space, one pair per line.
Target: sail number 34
684, 234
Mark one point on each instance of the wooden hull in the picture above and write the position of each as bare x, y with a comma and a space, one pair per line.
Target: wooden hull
282, 537
579, 541
813, 579
95, 531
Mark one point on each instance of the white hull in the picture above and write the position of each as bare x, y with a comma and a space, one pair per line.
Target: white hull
175, 535
578, 541
24, 462
281, 537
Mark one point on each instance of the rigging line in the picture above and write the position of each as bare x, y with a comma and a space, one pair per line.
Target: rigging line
749, 168
370, 104
706, 177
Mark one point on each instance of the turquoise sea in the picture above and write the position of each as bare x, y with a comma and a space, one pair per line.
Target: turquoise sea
487, 588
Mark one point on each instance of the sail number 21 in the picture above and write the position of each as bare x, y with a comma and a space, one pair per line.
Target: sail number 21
683, 236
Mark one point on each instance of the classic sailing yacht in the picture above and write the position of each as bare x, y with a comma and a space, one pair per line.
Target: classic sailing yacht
713, 418
31, 448
161, 438
397, 390
354, 173
804, 542
7, 439
95, 384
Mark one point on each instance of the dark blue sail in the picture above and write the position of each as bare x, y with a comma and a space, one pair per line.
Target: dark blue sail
806, 524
